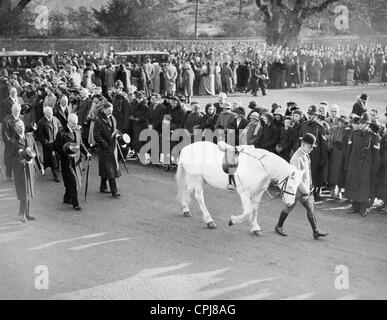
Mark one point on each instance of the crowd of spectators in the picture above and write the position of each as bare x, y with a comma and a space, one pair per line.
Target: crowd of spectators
80, 84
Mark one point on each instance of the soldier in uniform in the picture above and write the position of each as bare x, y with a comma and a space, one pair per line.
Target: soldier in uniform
319, 154
25, 156
363, 154
68, 143
302, 161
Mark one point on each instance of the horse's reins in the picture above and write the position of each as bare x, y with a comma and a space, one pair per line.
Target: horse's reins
284, 182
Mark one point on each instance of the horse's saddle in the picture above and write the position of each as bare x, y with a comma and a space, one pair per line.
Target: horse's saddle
230, 159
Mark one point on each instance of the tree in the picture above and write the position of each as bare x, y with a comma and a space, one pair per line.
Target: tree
284, 18
13, 18
139, 18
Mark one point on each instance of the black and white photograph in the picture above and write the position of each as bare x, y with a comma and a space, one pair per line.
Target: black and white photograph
201, 151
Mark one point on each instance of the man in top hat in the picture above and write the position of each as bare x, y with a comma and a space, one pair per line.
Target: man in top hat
301, 161
363, 160
319, 154
360, 105
107, 137
48, 128
25, 156
69, 146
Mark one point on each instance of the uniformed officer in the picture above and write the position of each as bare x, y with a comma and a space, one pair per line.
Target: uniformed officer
68, 143
363, 160
301, 161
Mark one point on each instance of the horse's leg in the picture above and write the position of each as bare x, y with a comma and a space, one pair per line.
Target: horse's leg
184, 190
255, 228
200, 199
247, 210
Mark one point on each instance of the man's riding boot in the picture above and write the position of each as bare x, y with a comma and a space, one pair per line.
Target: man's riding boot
278, 228
316, 232
231, 182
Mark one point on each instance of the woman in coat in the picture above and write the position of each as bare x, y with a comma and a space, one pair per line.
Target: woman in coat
105, 133
188, 82
25, 155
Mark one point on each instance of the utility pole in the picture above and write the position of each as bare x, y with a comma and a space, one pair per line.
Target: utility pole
196, 18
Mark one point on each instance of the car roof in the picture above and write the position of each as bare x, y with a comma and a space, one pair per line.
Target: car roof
139, 53
22, 54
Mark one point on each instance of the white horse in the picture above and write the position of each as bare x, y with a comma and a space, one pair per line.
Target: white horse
202, 161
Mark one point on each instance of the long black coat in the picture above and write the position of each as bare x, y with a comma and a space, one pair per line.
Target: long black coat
121, 109
46, 135
108, 149
382, 181
71, 166
24, 173
319, 155
140, 110
270, 137
363, 156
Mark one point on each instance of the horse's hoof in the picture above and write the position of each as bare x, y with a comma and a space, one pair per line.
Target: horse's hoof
211, 225
187, 214
230, 223
258, 233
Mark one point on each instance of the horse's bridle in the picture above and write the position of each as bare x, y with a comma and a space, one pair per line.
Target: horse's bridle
284, 182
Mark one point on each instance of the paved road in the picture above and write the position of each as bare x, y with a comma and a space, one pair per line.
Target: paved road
141, 247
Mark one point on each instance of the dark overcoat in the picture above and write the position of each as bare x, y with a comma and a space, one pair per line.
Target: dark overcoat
24, 172
362, 165
46, 135
107, 146
71, 166
382, 176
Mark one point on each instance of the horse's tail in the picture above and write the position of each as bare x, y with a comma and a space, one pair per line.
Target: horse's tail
182, 184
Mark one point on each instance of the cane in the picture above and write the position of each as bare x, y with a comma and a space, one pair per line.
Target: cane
27, 209
87, 177
123, 160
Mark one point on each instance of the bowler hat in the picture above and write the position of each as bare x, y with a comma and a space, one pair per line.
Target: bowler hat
252, 104
239, 110
310, 139
291, 104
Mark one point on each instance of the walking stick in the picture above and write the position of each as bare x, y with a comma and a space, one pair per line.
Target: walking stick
123, 160
87, 177
27, 213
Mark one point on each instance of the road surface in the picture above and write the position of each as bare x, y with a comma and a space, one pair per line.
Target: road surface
141, 247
